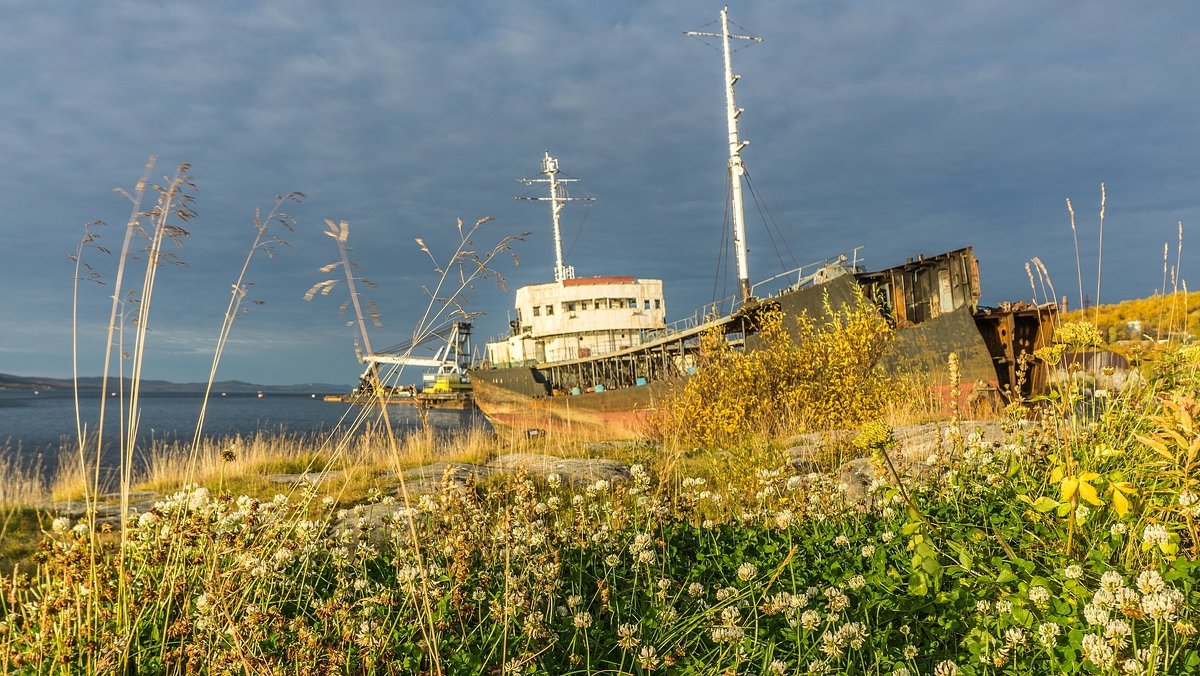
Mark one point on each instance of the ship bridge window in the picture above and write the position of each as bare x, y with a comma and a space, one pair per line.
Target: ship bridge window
647, 305
583, 305
537, 311
631, 303
569, 307
657, 304
549, 310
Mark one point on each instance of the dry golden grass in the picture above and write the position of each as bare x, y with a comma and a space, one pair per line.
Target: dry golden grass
21, 482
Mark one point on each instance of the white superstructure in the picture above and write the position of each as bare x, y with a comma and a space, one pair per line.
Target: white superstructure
577, 317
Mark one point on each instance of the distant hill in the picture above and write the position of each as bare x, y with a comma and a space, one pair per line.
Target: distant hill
11, 382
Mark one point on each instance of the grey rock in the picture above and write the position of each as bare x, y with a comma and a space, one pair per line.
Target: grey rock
573, 470
303, 477
857, 475
428, 479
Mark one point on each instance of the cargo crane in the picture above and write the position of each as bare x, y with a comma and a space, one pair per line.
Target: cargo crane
444, 383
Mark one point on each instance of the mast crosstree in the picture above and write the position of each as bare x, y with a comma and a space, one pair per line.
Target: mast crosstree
736, 168
558, 199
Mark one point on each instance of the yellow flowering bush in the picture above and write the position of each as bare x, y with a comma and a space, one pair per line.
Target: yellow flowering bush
819, 375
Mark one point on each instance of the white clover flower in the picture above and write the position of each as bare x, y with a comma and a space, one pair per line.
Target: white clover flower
867, 551
582, 620
1003, 606
60, 524
727, 634
1162, 605
1014, 638
1155, 535
784, 519
841, 541
283, 556
910, 652
810, 619
1150, 582
199, 499
1095, 615
1111, 581
1096, 651
747, 571
648, 658
901, 671
818, 666
1132, 666
1127, 600
1039, 596
1104, 599
695, 589
835, 600
1048, 633
777, 668
1082, 512
887, 536
1118, 529
612, 560
946, 668
1073, 571
856, 582
1116, 631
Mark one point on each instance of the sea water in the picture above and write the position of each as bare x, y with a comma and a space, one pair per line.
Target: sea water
36, 427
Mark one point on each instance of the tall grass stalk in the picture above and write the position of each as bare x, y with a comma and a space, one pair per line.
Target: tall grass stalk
265, 241
466, 267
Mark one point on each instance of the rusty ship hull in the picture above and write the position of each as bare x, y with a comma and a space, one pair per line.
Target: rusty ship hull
933, 302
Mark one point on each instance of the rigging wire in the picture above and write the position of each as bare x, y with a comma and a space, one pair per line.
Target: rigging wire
774, 233
578, 231
721, 275
804, 251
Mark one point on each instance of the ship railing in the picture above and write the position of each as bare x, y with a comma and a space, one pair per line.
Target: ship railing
805, 275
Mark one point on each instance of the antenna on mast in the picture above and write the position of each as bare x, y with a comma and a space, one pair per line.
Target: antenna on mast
557, 199
736, 168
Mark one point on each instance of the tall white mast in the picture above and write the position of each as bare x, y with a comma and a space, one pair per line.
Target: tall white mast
558, 199
736, 168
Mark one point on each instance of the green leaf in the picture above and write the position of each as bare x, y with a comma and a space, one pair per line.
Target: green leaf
918, 584
1045, 504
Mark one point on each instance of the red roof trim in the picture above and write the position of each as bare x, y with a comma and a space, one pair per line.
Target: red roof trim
599, 280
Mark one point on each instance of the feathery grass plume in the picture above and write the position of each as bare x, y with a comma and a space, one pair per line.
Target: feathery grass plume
1078, 266
458, 275
1175, 273
267, 242
1100, 245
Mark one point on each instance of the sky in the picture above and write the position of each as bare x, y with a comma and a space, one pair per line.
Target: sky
902, 127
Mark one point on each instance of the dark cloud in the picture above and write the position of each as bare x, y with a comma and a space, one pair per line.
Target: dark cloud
900, 127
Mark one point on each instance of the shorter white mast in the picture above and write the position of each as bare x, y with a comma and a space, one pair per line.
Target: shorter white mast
558, 199
736, 168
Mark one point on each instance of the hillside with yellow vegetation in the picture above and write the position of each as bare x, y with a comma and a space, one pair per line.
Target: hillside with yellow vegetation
1158, 317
